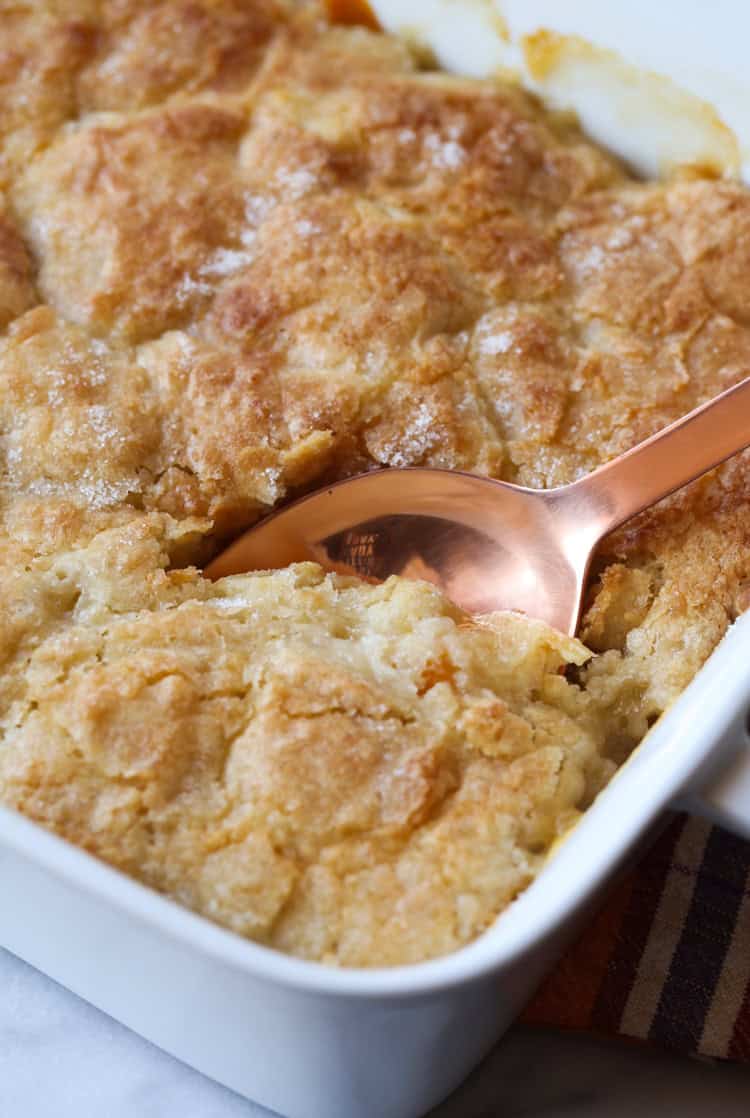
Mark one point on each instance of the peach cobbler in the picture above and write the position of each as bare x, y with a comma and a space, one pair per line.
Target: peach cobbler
242, 253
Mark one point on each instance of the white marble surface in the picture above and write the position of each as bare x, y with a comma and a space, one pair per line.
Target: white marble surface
59, 1057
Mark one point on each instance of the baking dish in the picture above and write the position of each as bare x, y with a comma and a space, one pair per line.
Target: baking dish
311, 1041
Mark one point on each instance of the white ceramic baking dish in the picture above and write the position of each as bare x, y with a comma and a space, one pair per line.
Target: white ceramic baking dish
314, 1042
662, 84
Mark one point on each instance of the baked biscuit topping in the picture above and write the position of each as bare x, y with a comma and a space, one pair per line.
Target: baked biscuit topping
243, 253
346, 772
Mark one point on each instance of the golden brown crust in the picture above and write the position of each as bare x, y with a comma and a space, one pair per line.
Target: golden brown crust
278, 743
240, 253
149, 52
42, 50
17, 291
124, 216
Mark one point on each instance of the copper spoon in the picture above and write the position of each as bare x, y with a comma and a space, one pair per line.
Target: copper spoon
487, 544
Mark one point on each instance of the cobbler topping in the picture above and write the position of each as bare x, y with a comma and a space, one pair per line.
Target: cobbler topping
244, 253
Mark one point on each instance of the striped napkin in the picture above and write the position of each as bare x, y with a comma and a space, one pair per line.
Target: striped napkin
667, 959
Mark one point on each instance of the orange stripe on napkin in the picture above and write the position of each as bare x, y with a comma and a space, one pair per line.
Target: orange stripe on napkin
568, 996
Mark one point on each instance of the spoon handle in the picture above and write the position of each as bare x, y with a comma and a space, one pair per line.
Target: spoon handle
668, 460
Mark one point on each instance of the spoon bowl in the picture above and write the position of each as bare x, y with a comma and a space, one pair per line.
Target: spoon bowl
489, 545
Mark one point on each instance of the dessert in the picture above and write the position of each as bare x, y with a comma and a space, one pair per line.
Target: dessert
288, 253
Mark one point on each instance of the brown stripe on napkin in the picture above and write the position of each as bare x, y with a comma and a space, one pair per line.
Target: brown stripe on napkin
667, 959
706, 933
739, 1047
649, 889
722, 1030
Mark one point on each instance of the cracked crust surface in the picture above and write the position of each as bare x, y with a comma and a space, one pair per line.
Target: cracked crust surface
355, 774
242, 253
